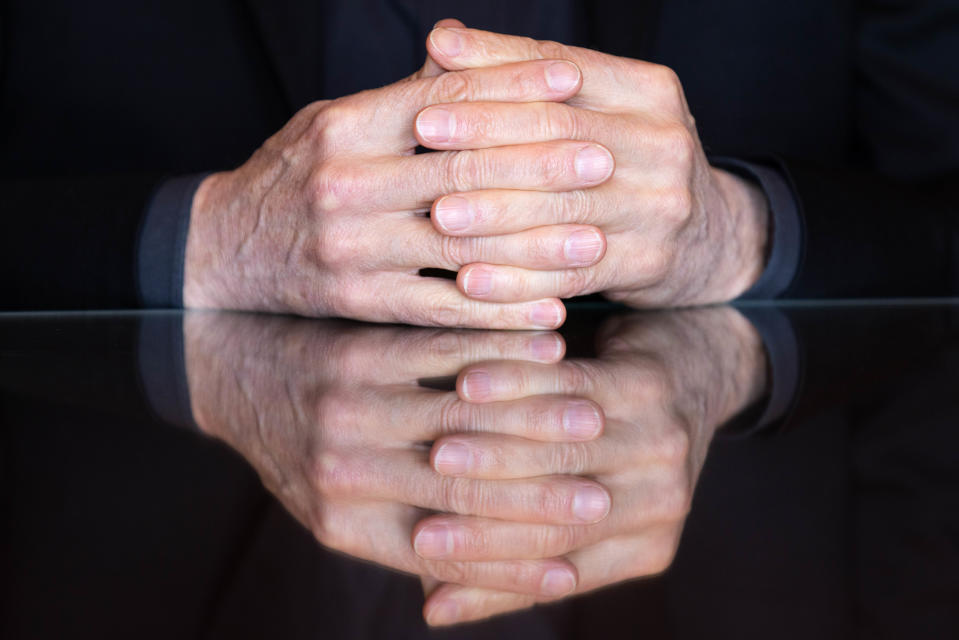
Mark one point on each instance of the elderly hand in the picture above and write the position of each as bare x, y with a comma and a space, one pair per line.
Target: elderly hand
327, 217
678, 231
666, 381
334, 417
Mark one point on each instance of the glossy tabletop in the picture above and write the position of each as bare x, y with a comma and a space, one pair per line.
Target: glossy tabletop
773, 471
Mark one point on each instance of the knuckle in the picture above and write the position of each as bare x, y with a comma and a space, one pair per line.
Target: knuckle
550, 499
453, 250
656, 265
573, 458
559, 540
334, 123
335, 187
555, 121
660, 557
453, 414
574, 282
453, 572
575, 206
576, 377
465, 170
332, 474
463, 496
453, 86
673, 447
553, 169
549, 49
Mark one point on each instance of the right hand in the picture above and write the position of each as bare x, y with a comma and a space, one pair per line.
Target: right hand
334, 416
327, 217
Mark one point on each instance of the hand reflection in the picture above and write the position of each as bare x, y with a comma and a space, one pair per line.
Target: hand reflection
332, 417
666, 381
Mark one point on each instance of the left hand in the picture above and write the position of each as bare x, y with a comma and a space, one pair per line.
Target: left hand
665, 381
678, 230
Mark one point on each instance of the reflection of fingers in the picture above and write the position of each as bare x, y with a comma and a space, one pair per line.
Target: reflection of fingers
555, 246
469, 539
422, 415
380, 532
386, 355
609, 562
403, 476
437, 302
499, 381
452, 604
502, 457
548, 578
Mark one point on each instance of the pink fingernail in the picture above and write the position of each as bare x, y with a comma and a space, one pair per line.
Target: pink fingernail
546, 347
434, 541
449, 42
545, 316
581, 421
562, 76
590, 504
454, 213
436, 125
583, 248
557, 583
593, 164
478, 282
444, 612
453, 459
477, 385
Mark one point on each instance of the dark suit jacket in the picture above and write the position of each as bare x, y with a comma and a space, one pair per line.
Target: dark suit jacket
99, 101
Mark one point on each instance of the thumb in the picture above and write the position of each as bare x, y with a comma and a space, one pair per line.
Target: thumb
431, 68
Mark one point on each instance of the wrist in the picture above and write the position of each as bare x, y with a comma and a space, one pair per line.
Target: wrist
747, 210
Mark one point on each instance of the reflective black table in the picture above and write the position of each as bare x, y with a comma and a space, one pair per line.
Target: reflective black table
774, 471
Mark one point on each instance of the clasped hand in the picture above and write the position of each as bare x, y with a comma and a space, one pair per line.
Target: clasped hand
559, 171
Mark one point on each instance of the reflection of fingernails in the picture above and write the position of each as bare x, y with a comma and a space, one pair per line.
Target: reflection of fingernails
581, 421
546, 347
593, 164
562, 76
447, 41
590, 504
477, 385
452, 459
478, 282
444, 612
434, 541
557, 582
545, 316
454, 213
437, 125
583, 247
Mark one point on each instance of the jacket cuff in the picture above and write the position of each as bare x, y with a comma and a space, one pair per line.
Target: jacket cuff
161, 245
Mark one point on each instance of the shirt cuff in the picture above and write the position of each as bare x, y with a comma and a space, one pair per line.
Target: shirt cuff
786, 233
161, 245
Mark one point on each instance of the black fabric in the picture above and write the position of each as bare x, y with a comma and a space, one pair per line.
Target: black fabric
866, 118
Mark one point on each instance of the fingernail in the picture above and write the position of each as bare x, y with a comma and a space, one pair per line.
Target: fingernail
477, 385
453, 459
562, 76
583, 247
546, 347
593, 164
590, 504
581, 421
437, 125
435, 541
545, 316
454, 213
478, 282
444, 612
449, 42
557, 582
